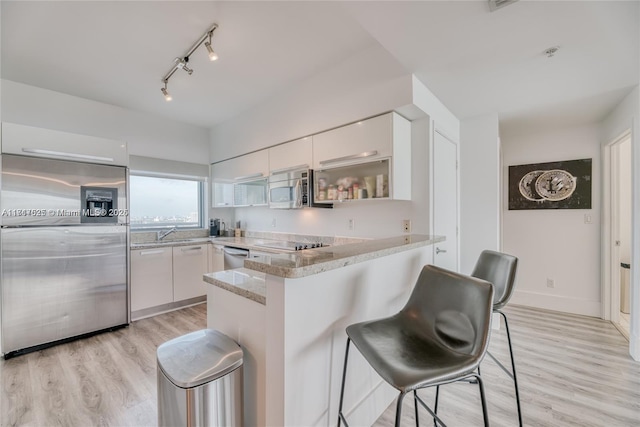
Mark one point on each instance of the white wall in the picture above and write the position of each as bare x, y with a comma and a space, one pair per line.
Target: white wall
370, 83
479, 188
624, 117
621, 118
624, 201
145, 134
555, 243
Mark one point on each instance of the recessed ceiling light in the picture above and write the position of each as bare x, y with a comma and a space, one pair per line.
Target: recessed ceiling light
497, 4
551, 51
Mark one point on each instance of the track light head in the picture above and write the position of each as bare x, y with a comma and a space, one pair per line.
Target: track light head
213, 56
165, 92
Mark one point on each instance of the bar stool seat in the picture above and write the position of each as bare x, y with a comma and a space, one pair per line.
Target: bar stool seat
440, 336
392, 346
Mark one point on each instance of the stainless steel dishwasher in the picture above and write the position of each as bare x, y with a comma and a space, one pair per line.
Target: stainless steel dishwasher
234, 257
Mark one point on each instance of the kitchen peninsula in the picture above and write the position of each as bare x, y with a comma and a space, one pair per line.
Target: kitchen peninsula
289, 311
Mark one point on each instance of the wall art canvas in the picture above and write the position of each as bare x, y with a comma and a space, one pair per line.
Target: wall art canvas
554, 185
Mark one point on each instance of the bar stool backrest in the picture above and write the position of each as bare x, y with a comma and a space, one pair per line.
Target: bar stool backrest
450, 308
500, 270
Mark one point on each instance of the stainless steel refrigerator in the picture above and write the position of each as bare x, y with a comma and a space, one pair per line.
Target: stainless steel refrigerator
63, 244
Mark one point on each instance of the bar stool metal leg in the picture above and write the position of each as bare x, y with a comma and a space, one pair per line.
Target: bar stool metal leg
513, 366
344, 377
399, 408
435, 406
485, 414
415, 402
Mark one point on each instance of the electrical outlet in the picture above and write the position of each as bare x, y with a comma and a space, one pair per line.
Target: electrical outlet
273, 223
551, 283
351, 224
406, 225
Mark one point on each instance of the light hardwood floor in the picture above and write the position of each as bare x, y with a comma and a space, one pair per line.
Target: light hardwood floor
573, 371
106, 380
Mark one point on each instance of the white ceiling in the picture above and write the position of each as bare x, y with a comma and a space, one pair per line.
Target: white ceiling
475, 61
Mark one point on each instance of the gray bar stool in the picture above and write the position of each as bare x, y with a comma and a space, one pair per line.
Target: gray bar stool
439, 337
500, 270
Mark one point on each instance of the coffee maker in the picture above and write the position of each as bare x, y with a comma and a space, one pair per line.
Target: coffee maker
214, 227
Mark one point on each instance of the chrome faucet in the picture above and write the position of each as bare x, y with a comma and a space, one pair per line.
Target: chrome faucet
162, 234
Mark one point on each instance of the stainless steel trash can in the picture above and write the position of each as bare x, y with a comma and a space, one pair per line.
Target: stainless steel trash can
200, 380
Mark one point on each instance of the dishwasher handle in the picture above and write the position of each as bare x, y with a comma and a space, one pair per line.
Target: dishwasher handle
236, 251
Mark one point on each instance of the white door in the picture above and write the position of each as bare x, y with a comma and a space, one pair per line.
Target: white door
445, 202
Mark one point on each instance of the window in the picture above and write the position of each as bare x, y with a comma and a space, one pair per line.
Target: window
158, 202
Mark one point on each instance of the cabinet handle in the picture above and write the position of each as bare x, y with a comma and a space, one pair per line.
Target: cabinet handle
292, 168
298, 193
254, 175
191, 249
68, 155
351, 157
438, 250
153, 252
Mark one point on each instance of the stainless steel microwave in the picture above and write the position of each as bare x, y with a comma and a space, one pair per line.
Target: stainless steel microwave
292, 189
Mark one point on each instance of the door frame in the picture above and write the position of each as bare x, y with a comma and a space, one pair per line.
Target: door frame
610, 276
435, 129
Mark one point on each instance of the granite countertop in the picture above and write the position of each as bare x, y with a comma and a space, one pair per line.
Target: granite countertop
239, 242
249, 281
241, 281
313, 261
177, 242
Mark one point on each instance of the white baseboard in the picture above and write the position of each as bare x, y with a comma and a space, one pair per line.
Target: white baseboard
557, 303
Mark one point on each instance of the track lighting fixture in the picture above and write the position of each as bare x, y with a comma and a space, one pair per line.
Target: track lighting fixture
165, 92
181, 62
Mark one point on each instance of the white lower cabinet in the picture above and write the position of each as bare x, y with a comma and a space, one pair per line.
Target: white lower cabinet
189, 264
171, 274
216, 258
151, 277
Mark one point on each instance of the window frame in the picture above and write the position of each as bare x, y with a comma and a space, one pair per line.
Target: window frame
202, 201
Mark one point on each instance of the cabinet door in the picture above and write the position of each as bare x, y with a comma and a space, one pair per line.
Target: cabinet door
362, 141
151, 278
216, 259
221, 195
225, 175
296, 154
189, 264
250, 193
252, 165
32, 141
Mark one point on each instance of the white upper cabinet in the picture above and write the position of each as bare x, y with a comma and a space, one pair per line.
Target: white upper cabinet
365, 160
296, 154
39, 142
358, 142
240, 181
250, 166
